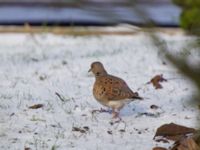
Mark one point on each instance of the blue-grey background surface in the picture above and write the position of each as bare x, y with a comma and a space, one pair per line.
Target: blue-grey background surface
63, 12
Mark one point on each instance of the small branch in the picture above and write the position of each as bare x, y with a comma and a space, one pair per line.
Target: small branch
60, 97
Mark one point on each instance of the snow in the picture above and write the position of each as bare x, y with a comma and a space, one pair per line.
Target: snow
35, 66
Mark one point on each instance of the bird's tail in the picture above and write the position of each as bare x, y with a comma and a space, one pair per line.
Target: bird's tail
136, 96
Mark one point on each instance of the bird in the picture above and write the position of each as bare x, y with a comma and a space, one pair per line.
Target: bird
111, 91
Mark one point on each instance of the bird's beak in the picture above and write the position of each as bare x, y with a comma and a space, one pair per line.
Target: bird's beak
90, 70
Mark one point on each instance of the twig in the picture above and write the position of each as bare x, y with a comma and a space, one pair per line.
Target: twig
60, 97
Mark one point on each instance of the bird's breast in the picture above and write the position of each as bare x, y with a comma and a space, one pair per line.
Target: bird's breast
99, 93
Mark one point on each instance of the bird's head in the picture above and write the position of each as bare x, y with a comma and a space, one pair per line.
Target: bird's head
97, 69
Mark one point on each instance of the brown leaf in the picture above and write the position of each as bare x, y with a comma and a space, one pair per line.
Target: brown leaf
109, 132
159, 148
36, 106
42, 77
86, 128
156, 81
173, 131
78, 129
64, 62
186, 144
154, 107
27, 148
82, 130
122, 130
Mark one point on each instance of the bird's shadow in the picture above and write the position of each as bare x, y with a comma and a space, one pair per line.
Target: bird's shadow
132, 110
137, 110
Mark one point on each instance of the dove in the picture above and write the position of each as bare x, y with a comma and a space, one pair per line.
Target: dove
111, 91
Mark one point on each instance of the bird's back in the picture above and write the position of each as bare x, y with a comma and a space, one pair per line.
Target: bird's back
109, 87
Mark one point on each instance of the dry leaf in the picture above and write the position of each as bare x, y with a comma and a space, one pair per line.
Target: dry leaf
109, 132
64, 62
122, 130
86, 128
82, 130
186, 144
42, 77
156, 81
78, 129
36, 106
173, 131
159, 148
154, 107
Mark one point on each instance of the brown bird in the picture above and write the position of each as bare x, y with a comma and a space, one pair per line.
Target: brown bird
111, 91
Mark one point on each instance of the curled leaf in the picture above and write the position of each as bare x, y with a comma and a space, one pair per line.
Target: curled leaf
173, 131
81, 130
36, 106
186, 144
156, 81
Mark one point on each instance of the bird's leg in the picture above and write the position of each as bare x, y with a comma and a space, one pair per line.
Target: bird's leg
115, 115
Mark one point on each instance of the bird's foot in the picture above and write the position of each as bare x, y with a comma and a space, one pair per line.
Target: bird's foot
116, 117
100, 111
116, 120
115, 114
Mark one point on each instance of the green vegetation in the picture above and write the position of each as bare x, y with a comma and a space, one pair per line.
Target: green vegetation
187, 3
190, 17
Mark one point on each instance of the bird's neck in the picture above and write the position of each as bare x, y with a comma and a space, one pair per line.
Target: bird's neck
100, 74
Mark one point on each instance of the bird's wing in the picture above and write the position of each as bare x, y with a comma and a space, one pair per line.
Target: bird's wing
117, 89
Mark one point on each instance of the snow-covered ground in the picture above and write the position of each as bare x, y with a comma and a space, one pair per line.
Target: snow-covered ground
35, 66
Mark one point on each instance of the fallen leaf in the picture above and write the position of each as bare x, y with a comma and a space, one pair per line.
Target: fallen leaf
12, 114
109, 132
35, 59
82, 130
36, 106
156, 81
78, 129
64, 62
186, 117
173, 131
86, 128
42, 77
159, 148
186, 144
27, 148
122, 130
154, 107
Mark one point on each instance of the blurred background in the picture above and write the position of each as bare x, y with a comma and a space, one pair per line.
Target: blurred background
143, 13
89, 12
